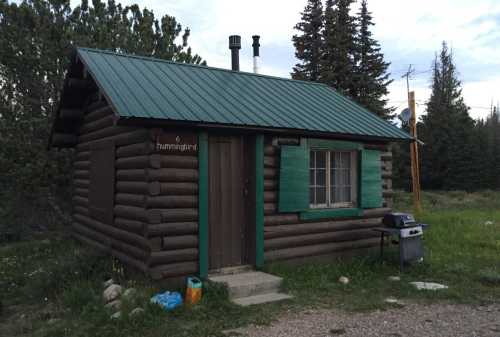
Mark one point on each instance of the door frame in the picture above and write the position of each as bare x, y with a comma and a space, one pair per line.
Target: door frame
255, 212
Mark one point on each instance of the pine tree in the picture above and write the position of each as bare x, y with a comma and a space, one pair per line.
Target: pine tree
338, 63
308, 45
447, 131
371, 76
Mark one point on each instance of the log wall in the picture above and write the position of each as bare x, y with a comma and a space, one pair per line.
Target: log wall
123, 239
288, 237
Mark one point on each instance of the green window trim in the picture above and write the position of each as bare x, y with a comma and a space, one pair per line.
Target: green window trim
259, 201
313, 214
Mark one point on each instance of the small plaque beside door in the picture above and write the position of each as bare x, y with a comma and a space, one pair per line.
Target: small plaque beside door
177, 143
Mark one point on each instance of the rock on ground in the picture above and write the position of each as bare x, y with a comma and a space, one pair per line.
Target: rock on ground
428, 285
112, 293
413, 320
136, 312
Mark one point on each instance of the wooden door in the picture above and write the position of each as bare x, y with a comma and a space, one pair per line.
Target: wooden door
226, 201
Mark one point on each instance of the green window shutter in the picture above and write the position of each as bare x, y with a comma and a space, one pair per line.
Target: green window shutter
294, 178
371, 179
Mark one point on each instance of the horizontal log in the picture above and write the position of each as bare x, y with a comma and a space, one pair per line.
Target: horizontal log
71, 114
104, 133
133, 187
270, 208
375, 212
80, 210
81, 192
133, 150
130, 212
270, 173
138, 162
64, 139
113, 232
322, 249
280, 219
161, 175
137, 200
173, 228
158, 188
270, 150
386, 174
172, 201
319, 238
81, 174
124, 138
81, 165
156, 216
270, 196
386, 156
271, 161
97, 111
387, 193
319, 227
133, 226
137, 175
381, 147
113, 242
171, 256
98, 124
173, 175
80, 201
179, 242
120, 256
172, 161
288, 140
270, 185
82, 155
81, 183
173, 270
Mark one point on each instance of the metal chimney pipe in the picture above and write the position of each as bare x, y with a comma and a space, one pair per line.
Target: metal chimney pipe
256, 46
235, 46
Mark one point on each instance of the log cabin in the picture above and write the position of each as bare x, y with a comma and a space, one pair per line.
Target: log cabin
184, 169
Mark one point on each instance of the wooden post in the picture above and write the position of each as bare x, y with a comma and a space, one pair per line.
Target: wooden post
415, 167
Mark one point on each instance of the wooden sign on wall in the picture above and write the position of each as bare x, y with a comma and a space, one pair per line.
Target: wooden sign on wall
177, 142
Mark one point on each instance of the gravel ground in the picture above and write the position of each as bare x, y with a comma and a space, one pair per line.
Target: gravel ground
436, 320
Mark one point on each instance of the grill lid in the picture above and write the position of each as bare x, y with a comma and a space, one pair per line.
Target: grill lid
399, 220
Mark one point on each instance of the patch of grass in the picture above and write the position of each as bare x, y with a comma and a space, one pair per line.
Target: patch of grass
57, 284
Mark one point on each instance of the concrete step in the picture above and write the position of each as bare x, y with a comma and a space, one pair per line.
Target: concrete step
262, 298
249, 283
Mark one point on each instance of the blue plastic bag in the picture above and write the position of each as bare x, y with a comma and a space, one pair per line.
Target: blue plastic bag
167, 300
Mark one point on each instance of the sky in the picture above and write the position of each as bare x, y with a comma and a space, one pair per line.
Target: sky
409, 32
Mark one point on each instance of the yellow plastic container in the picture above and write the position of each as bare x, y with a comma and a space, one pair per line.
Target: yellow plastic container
193, 291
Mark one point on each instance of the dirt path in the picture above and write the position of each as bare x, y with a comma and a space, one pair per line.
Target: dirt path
436, 320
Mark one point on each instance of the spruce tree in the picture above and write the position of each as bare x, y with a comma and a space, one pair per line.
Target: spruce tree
371, 76
447, 131
338, 62
308, 45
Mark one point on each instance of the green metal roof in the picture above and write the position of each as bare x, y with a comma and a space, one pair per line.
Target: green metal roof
158, 89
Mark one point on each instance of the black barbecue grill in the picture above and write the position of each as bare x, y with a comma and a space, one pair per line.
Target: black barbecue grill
409, 234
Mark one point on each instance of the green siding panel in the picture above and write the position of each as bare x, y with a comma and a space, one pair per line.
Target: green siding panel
294, 179
145, 87
371, 179
259, 201
203, 204
339, 145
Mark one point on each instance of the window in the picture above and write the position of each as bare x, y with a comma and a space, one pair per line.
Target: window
332, 179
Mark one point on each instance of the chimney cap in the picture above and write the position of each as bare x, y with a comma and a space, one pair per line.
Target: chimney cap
234, 42
255, 41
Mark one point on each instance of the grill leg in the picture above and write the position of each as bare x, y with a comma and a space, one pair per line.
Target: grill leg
381, 246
